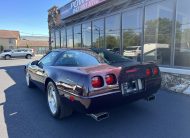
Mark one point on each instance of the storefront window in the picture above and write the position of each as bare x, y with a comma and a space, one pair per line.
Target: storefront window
86, 34
63, 38
77, 36
132, 30
58, 39
113, 33
70, 37
182, 47
52, 39
98, 33
158, 32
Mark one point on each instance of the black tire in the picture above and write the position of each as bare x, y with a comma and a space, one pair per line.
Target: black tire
29, 83
7, 57
62, 110
28, 56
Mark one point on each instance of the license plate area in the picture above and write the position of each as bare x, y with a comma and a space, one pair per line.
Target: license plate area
132, 87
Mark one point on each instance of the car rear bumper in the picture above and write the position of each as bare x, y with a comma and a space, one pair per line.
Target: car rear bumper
102, 102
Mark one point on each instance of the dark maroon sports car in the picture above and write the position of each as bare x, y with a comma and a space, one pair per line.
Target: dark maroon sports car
91, 80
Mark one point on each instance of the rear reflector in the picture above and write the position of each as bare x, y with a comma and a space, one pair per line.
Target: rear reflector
72, 98
132, 70
110, 79
156, 71
97, 82
148, 72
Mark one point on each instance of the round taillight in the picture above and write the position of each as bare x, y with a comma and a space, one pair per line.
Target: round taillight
148, 72
110, 79
156, 71
97, 82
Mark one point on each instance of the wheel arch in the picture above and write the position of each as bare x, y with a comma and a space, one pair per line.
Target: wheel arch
7, 55
29, 55
47, 81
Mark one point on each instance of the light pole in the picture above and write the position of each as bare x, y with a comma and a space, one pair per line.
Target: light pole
81, 39
98, 30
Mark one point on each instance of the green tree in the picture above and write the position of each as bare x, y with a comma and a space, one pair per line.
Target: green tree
112, 42
185, 37
158, 31
99, 42
27, 46
1, 48
131, 38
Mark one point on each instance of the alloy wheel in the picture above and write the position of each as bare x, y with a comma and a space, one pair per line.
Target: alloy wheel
52, 99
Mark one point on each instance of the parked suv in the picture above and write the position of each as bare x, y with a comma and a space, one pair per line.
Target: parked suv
17, 53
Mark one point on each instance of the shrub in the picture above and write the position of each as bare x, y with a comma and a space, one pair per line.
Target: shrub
1, 48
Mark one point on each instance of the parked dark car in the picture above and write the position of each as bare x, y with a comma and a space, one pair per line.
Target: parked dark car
91, 80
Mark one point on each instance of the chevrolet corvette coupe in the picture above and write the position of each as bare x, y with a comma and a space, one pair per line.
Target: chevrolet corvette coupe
91, 81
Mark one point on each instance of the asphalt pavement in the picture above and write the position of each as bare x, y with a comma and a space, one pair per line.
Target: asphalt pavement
24, 113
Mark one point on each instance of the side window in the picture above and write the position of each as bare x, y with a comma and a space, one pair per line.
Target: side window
67, 59
15, 50
48, 59
21, 50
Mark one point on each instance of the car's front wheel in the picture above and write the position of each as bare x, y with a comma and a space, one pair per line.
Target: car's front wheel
7, 57
28, 56
28, 81
57, 109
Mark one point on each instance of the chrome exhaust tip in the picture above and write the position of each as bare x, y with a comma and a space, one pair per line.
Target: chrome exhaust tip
150, 98
100, 116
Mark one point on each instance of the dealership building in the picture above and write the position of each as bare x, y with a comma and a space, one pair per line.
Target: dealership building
144, 30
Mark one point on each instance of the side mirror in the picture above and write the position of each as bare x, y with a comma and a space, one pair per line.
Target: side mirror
35, 62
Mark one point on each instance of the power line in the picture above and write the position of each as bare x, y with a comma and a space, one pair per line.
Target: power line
34, 34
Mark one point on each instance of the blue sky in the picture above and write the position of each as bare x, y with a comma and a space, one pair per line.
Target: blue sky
27, 16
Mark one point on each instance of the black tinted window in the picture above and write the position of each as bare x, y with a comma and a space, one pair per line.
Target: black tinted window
132, 48
76, 58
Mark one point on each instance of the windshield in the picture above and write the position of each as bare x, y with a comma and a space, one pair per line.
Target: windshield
131, 48
77, 59
111, 57
6, 50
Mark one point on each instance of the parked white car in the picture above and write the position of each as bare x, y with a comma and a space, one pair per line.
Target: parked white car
132, 51
17, 53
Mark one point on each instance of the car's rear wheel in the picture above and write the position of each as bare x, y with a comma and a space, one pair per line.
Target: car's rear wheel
28, 56
57, 109
28, 81
7, 57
